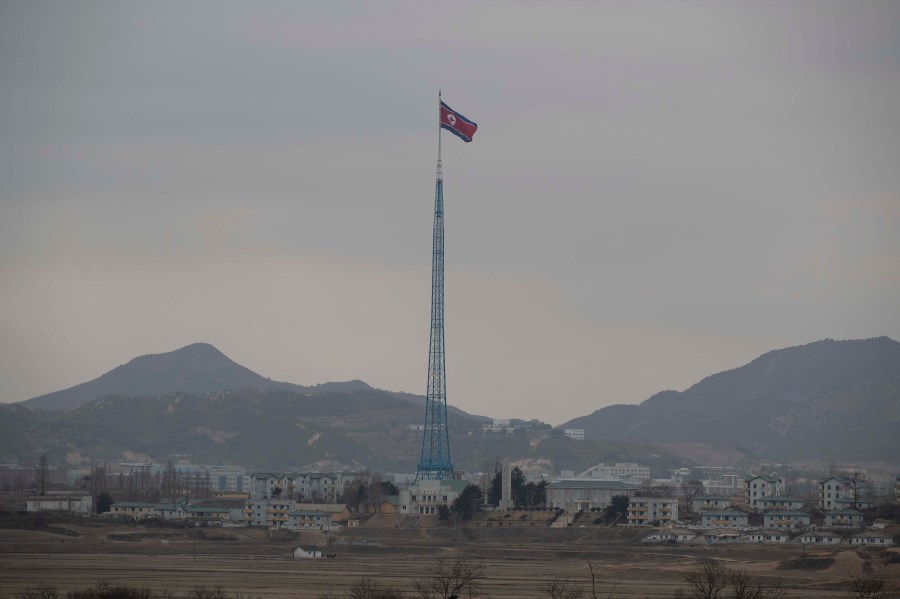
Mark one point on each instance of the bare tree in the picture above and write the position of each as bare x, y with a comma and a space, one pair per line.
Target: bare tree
713, 580
368, 588
867, 586
560, 588
690, 490
707, 580
451, 581
594, 594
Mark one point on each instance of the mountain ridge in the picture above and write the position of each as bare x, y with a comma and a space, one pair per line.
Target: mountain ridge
196, 369
846, 392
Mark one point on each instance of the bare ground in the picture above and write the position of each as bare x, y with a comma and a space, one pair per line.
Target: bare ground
515, 562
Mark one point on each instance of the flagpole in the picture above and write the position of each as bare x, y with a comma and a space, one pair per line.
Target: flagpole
440, 174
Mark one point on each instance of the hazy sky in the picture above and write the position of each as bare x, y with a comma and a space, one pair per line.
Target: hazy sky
657, 191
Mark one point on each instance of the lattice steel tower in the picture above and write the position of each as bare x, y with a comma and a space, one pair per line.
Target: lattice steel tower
434, 462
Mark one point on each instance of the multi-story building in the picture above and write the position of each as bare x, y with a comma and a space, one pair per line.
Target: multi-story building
308, 487
574, 433
619, 471
228, 479
584, 493
652, 510
426, 497
271, 513
725, 519
837, 492
757, 487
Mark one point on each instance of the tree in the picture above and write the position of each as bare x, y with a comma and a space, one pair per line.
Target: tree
690, 490
495, 493
468, 502
868, 586
618, 505
517, 482
104, 502
457, 579
714, 580
368, 588
388, 488
560, 588
534, 495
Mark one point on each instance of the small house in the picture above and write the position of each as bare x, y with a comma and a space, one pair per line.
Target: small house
785, 519
844, 519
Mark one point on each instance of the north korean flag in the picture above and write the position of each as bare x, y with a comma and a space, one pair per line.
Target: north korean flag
457, 124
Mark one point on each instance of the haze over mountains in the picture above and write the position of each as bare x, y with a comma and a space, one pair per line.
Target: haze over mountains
829, 400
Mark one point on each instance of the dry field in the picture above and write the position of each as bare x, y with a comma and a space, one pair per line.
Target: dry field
515, 562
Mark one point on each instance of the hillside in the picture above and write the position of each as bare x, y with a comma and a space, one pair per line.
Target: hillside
829, 400
196, 369
264, 429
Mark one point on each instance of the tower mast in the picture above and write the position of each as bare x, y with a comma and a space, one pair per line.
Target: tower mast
434, 463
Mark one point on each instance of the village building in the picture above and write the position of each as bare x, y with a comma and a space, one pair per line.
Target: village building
133, 509
704, 503
627, 471
672, 535
872, 539
584, 494
779, 502
305, 519
853, 504
820, 537
425, 497
768, 536
73, 504
731, 518
301, 553
833, 489
782, 519
271, 513
339, 511
574, 433
844, 519
169, 508
715, 537
652, 510
757, 487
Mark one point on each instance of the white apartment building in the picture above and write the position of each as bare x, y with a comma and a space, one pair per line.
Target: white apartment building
271, 513
757, 487
619, 471
652, 510
584, 494
574, 433
833, 489
427, 496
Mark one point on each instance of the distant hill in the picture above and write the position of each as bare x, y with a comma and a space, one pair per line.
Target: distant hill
197, 369
283, 430
832, 400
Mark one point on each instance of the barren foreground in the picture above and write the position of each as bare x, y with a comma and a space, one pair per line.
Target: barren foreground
514, 563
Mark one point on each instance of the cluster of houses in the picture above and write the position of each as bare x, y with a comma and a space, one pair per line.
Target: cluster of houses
872, 538
281, 500
783, 518
311, 500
